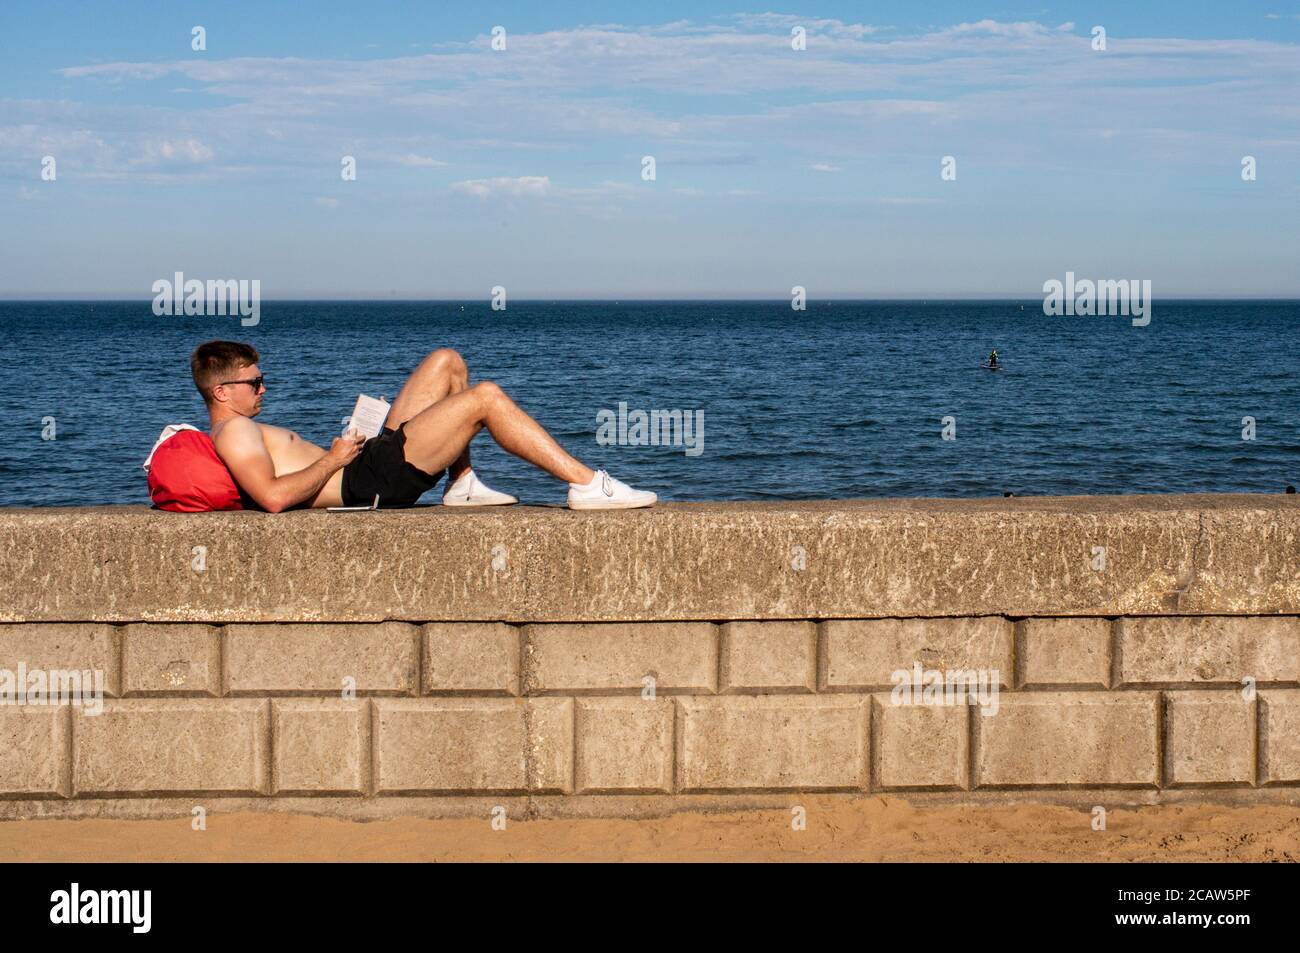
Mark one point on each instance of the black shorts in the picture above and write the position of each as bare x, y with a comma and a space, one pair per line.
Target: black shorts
381, 468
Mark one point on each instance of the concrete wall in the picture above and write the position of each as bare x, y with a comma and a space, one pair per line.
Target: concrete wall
433, 661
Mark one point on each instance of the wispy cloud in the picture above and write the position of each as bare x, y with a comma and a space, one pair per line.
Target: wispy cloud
161, 151
418, 162
526, 185
787, 22
971, 85
854, 126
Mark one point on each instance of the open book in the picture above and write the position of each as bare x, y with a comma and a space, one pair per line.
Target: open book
368, 416
367, 419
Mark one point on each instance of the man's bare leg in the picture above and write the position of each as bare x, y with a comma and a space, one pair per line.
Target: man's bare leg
439, 435
441, 374
442, 414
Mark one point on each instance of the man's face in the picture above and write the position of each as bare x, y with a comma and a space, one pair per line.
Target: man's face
242, 391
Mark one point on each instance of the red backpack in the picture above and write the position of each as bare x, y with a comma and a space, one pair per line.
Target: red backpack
187, 476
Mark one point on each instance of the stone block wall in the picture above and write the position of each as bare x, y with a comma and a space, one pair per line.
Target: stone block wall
396, 709
1180, 679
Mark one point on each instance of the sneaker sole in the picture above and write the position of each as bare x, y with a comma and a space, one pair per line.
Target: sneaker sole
631, 505
471, 503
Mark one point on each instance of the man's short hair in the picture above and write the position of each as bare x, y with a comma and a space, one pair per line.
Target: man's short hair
214, 362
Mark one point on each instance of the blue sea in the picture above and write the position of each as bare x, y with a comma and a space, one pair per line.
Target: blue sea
845, 399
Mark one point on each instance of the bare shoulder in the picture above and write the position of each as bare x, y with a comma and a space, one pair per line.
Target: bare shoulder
239, 434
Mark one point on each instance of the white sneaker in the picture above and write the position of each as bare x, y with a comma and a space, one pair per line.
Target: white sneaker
469, 490
606, 493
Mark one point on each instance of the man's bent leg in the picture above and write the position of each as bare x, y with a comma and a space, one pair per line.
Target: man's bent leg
441, 374
438, 435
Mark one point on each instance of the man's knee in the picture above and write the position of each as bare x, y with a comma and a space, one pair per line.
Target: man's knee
487, 393
447, 361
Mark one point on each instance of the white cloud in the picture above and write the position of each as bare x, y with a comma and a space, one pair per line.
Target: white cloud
785, 22
159, 151
691, 91
996, 28
825, 167
418, 161
524, 185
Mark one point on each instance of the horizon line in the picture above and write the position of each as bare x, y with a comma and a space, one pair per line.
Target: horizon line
91, 298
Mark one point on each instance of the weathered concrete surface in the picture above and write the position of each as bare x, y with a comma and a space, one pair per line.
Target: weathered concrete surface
767, 657
774, 742
1054, 653
1216, 554
864, 654
1206, 650
1069, 739
498, 745
623, 744
143, 745
1210, 738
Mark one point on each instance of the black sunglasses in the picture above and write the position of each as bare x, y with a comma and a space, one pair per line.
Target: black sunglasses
255, 382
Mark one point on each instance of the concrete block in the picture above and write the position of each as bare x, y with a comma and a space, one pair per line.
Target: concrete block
316, 658
479, 658
624, 744
321, 746
1209, 738
1055, 653
481, 745
768, 656
1185, 650
1068, 739
174, 746
63, 646
1279, 736
618, 657
171, 659
921, 746
864, 654
777, 742
35, 746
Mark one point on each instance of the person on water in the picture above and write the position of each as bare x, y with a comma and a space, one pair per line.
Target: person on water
993, 359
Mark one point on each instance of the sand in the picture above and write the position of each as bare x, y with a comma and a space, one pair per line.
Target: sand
864, 829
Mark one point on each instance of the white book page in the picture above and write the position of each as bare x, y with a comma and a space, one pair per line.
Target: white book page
368, 416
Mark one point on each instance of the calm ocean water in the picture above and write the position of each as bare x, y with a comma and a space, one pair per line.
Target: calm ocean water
845, 399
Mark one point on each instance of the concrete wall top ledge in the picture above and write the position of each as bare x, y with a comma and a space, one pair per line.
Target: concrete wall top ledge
1134, 555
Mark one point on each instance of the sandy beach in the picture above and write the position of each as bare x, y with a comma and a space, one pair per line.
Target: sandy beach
863, 829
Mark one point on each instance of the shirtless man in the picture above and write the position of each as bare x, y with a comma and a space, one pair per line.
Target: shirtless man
428, 431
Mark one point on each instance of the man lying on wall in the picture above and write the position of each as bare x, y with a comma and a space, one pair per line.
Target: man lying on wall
428, 432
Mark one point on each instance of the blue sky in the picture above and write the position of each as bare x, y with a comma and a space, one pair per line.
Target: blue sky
775, 167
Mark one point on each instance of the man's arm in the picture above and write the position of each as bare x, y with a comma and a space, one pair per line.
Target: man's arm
244, 453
